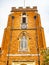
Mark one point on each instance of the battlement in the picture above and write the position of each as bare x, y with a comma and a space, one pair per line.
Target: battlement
14, 9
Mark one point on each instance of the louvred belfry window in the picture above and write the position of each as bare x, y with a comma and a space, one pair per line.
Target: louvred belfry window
24, 24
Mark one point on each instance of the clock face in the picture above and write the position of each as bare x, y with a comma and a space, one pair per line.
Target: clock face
24, 26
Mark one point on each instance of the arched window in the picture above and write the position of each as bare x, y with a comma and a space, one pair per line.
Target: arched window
24, 23
23, 43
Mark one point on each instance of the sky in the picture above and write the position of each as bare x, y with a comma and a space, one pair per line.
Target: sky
43, 9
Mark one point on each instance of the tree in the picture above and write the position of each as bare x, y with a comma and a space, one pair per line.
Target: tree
45, 54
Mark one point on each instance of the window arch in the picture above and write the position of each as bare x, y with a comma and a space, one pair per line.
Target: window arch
24, 13
23, 38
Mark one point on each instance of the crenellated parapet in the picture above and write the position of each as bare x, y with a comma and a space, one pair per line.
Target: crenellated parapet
14, 9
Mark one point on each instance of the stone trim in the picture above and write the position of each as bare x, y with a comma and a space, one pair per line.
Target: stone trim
23, 54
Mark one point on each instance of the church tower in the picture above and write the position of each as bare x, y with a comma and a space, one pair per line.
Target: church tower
23, 38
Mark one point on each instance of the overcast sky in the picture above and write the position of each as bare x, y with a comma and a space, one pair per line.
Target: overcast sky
43, 9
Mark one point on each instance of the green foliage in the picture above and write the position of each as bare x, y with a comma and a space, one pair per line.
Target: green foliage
45, 54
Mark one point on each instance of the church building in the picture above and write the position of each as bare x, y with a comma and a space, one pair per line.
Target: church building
23, 38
